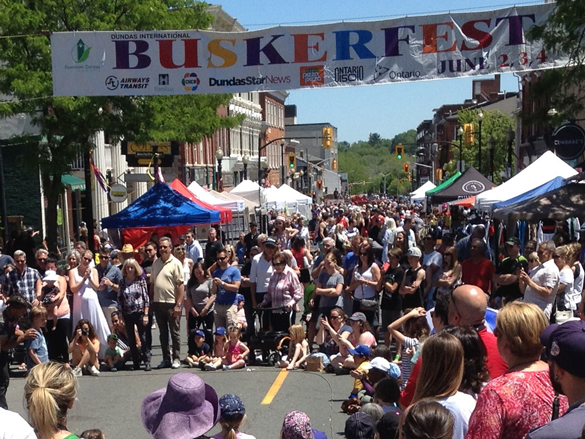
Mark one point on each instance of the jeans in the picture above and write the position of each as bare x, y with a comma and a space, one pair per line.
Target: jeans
167, 323
131, 320
57, 340
4, 378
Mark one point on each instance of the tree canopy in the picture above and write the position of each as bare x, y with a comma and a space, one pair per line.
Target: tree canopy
67, 124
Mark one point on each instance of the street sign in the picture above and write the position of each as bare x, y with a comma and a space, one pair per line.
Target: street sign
142, 154
118, 193
569, 141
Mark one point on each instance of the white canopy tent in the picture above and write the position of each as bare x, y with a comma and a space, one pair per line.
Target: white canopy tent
419, 194
250, 190
209, 198
295, 201
544, 169
233, 197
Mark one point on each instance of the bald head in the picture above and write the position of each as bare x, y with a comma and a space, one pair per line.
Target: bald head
468, 306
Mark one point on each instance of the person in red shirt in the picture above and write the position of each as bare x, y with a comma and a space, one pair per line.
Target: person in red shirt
467, 308
478, 270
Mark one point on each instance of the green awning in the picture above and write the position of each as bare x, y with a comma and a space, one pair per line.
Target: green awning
73, 182
445, 184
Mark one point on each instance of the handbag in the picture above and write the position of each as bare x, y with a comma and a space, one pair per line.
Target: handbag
369, 304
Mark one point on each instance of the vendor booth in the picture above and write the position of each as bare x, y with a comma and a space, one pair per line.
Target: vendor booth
468, 184
249, 190
419, 194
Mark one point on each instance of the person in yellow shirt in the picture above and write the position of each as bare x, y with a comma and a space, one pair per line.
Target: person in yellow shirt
361, 358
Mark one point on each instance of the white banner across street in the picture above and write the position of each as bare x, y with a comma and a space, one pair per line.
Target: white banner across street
294, 57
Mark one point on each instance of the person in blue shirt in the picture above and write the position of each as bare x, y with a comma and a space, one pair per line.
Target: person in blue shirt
36, 348
226, 283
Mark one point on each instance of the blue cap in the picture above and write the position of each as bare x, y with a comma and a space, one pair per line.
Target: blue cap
231, 406
200, 333
220, 331
361, 350
394, 371
240, 298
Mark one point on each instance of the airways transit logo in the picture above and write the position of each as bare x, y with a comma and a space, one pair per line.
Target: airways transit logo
190, 81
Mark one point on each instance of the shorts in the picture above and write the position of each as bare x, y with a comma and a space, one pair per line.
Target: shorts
389, 316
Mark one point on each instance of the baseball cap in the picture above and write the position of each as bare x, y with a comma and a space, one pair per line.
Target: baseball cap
394, 371
378, 363
240, 298
360, 425
513, 241
360, 350
220, 331
270, 242
113, 337
565, 345
358, 317
200, 333
231, 407
388, 425
414, 252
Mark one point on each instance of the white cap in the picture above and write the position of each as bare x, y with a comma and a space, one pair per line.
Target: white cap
50, 276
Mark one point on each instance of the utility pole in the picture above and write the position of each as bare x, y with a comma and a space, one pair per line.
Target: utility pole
88, 208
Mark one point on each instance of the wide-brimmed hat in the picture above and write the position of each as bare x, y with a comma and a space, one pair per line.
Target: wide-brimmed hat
127, 248
50, 276
185, 409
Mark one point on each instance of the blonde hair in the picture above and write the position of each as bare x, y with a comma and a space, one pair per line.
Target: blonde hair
520, 325
575, 251
563, 252
534, 257
230, 253
135, 264
442, 372
230, 428
49, 390
297, 333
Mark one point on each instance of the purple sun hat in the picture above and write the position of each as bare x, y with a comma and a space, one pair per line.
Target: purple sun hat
185, 409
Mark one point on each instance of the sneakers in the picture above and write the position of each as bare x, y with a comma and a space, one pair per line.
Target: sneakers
113, 369
147, 367
93, 370
210, 367
164, 364
226, 367
77, 372
193, 363
176, 364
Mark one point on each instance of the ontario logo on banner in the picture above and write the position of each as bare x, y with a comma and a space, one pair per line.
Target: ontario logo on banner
285, 58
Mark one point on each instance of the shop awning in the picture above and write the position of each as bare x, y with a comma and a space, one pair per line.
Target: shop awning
73, 182
445, 184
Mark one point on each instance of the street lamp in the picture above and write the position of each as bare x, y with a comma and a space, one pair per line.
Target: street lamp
491, 146
282, 162
460, 133
245, 161
479, 121
510, 135
219, 157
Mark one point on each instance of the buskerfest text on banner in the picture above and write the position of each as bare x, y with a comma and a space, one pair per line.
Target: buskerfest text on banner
292, 57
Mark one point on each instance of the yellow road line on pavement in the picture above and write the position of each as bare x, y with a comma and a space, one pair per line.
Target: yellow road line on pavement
276, 385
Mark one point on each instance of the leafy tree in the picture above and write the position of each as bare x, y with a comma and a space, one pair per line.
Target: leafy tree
68, 123
495, 125
408, 139
374, 138
563, 32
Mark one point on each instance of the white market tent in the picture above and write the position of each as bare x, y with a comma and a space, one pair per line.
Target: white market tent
233, 197
544, 169
295, 201
419, 194
209, 198
250, 190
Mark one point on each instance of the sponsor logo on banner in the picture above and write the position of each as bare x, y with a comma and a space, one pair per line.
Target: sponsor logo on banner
190, 81
235, 82
349, 74
473, 187
312, 75
163, 79
80, 54
112, 83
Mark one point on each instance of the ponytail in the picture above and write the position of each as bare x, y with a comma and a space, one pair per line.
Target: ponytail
230, 428
49, 390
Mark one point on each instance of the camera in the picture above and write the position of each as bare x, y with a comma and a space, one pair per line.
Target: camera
84, 331
48, 299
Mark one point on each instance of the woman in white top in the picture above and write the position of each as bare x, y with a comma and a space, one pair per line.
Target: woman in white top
440, 377
83, 283
181, 254
364, 283
565, 300
578, 272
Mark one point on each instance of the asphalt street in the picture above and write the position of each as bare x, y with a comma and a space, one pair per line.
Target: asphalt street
111, 402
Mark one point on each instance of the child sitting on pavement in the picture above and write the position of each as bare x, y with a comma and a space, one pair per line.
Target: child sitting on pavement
361, 356
235, 352
113, 355
298, 349
198, 350
218, 347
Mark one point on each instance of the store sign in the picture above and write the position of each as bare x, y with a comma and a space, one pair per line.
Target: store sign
343, 54
118, 193
143, 154
569, 141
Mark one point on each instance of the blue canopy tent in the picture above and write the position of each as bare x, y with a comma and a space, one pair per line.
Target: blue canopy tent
553, 184
161, 206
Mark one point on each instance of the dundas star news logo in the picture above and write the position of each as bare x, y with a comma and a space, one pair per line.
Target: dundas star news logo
80, 52
190, 81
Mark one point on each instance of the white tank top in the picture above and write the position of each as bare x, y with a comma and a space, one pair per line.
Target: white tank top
365, 291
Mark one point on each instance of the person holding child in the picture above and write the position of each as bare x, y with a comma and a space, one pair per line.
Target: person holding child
58, 312
36, 348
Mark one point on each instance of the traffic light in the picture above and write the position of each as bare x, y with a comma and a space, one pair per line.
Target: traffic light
327, 137
292, 161
334, 164
399, 151
438, 174
406, 168
468, 134
319, 184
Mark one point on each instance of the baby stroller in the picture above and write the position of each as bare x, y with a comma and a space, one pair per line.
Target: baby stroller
267, 347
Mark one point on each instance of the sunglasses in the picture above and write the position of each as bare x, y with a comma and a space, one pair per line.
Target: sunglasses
42, 259
276, 264
222, 258
87, 259
148, 250
104, 257
163, 247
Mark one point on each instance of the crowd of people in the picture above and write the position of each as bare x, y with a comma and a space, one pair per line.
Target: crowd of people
438, 332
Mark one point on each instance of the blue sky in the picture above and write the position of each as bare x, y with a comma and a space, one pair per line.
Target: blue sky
358, 111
